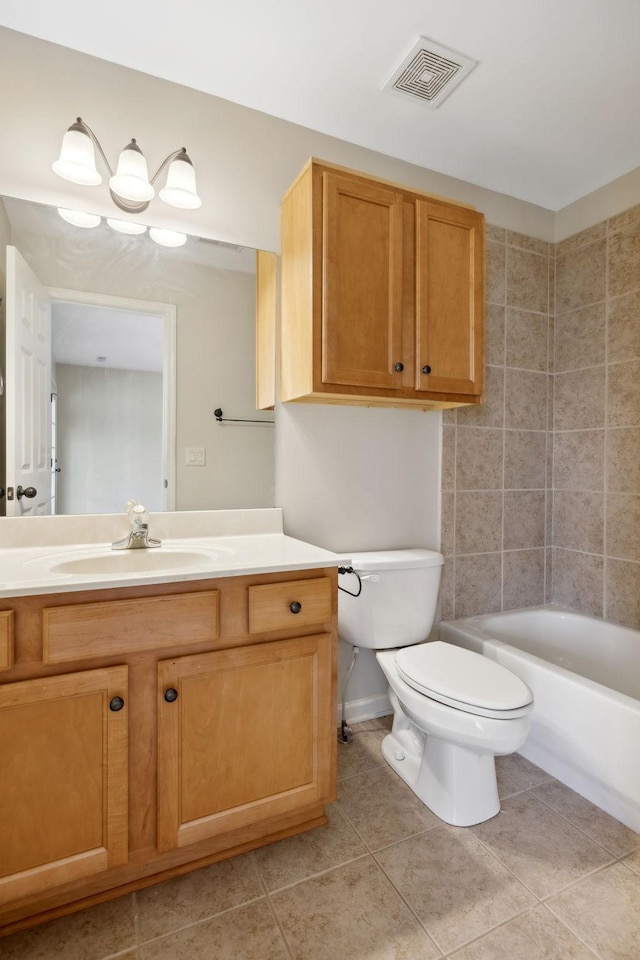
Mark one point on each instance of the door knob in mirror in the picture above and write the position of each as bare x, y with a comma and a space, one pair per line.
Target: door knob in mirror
28, 492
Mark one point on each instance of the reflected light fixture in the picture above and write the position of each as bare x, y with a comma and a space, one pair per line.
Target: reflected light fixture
79, 218
127, 226
167, 238
130, 186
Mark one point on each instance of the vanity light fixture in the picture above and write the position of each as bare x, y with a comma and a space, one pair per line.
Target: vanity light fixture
130, 186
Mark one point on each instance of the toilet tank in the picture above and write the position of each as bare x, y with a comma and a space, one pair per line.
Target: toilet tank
397, 602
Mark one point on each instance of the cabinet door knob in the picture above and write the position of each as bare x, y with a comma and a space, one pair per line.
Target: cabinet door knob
116, 704
398, 367
426, 368
170, 695
295, 607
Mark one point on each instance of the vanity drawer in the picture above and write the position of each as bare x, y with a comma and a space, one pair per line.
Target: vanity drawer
6, 639
296, 603
117, 627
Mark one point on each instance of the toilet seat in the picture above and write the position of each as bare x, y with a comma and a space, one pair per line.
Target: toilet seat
463, 679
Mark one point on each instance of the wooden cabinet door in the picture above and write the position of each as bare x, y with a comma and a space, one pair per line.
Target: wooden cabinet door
449, 299
362, 283
63, 757
245, 735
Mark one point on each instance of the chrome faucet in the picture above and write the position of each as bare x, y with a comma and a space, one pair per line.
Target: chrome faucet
138, 537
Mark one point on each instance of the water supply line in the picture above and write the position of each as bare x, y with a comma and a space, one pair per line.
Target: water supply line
346, 734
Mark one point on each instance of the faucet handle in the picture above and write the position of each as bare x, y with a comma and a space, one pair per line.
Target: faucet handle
137, 512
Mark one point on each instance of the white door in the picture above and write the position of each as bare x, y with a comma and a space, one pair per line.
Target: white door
28, 390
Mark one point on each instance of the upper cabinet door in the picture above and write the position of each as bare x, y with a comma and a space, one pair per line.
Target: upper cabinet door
362, 283
449, 298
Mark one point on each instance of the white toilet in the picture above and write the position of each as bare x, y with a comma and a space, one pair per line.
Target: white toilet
454, 710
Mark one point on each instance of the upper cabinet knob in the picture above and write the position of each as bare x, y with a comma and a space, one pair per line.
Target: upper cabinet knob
426, 368
399, 367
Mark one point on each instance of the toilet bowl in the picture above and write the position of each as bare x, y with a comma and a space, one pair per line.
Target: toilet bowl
454, 710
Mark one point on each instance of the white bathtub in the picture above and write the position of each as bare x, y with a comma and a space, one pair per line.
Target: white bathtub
585, 678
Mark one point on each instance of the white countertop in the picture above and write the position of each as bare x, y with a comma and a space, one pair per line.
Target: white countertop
46, 558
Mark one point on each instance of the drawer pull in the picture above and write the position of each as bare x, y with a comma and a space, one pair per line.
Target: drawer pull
295, 607
116, 704
170, 695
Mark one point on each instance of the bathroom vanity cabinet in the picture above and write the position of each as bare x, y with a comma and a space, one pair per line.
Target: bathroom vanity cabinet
147, 731
382, 294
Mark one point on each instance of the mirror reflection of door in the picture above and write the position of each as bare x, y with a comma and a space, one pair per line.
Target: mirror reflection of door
90, 399
28, 390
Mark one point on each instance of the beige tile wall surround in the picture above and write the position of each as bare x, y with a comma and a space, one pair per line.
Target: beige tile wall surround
494, 482
541, 484
596, 465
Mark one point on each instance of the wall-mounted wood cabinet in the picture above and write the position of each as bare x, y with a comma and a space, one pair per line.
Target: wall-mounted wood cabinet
382, 294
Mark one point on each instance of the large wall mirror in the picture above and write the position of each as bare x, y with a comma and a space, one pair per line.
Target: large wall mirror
145, 343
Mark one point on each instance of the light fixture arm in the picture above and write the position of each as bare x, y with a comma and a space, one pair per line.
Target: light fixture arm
81, 125
182, 153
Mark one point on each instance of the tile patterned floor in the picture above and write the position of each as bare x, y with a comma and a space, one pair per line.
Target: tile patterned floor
550, 878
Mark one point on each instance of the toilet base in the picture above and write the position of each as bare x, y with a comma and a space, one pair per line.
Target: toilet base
456, 783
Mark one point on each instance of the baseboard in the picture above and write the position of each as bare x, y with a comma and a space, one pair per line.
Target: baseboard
368, 708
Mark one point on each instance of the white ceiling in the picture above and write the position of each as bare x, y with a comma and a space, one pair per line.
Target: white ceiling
551, 112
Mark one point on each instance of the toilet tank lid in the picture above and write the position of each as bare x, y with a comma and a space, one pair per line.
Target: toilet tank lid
406, 559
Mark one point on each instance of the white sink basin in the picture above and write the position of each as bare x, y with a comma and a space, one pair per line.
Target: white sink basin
135, 561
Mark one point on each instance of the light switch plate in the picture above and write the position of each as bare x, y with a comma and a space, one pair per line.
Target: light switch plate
196, 456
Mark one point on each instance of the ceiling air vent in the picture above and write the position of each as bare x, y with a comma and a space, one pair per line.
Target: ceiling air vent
429, 72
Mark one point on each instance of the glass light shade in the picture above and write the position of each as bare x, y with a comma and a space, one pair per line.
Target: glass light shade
79, 218
131, 179
77, 160
127, 226
167, 238
180, 189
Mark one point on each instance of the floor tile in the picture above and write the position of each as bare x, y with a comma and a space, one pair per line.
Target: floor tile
382, 808
88, 935
248, 933
544, 851
521, 770
453, 884
604, 911
507, 786
362, 754
536, 935
195, 896
376, 723
298, 858
609, 833
633, 861
351, 913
